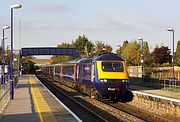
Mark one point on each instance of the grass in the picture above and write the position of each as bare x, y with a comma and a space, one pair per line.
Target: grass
174, 89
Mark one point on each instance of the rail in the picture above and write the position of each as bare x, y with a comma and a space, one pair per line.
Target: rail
4, 93
137, 112
60, 92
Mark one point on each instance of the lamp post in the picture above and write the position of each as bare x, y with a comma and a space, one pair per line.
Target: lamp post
173, 77
2, 54
7, 54
142, 57
14, 6
7, 59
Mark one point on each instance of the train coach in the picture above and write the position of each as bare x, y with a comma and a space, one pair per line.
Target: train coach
103, 76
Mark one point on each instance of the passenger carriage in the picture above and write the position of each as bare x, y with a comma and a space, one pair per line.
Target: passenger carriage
100, 76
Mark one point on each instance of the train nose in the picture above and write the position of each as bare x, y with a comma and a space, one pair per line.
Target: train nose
117, 89
114, 89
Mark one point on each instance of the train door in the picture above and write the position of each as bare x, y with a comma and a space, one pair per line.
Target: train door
92, 73
80, 72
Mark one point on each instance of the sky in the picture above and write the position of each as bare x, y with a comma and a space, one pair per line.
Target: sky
47, 23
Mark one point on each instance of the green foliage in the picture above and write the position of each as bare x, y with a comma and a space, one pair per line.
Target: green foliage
6, 56
147, 56
161, 55
7, 59
166, 64
132, 53
28, 65
59, 58
85, 47
65, 45
171, 89
125, 43
120, 49
102, 48
177, 55
81, 42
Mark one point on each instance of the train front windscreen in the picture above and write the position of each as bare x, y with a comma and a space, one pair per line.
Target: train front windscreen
111, 70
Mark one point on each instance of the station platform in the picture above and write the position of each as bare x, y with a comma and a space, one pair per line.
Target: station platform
34, 103
164, 93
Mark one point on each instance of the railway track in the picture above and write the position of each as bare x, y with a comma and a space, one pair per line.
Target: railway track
132, 113
84, 113
122, 111
139, 113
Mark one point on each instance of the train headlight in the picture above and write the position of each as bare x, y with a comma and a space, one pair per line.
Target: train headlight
125, 81
103, 80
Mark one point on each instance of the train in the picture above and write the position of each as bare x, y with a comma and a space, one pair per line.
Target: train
103, 76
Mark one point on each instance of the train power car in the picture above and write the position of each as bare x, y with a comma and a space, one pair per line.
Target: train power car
103, 76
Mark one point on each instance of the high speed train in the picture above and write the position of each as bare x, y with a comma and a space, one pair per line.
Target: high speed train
102, 76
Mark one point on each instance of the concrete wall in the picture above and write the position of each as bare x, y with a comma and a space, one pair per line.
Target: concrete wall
162, 106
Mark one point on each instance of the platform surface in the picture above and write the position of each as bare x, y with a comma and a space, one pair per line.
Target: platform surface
164, 93
33, 103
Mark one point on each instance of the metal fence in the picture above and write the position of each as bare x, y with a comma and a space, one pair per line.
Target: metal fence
158, 83
158, 78
5, 92
165, 74
158, 73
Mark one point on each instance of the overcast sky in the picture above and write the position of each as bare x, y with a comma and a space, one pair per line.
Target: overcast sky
50, 22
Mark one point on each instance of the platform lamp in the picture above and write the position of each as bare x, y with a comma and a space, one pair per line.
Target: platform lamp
14, 6
142, 57
2, 53
173, 77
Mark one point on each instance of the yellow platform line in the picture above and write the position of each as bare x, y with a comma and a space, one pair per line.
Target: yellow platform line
44, 112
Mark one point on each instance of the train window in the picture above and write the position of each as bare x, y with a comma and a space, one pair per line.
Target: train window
86, 71
57, 69
112, 66
68, 71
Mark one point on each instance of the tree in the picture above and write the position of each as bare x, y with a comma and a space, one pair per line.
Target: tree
82, 43
177, 55
6, 56
125, 43
102, 48
28, 65
162, 55
120, 49
147, 56
60, 58
132, 53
